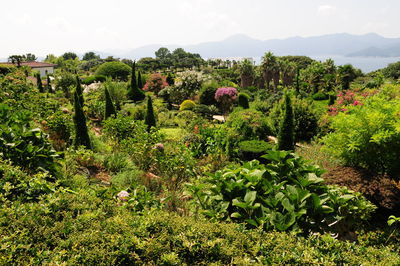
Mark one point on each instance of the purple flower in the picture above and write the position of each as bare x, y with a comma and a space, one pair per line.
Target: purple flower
224, 93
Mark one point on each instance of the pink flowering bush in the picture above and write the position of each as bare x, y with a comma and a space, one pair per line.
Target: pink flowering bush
155, 83
345, 99
225, 96
123, 195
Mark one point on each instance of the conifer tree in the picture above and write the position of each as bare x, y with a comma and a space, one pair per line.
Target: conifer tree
286, 131
135, 94
49, 84
79, 91
243, 100
81, 130
110, 109
150, 119
140, 81
39, 83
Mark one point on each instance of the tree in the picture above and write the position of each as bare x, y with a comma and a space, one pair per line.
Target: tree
79, 91
30, 57
69, 55
346, 74
286, 131
115, 70
39, 83
150, 119
246, 73
16, 59
140, 81
110, 109
392, 71
49, 88
90, 56
81, 130
135, 94
270, 68
162, 53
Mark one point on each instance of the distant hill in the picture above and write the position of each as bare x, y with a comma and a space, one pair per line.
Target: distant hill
342, 44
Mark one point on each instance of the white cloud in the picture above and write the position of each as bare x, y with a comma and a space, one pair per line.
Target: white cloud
326, 10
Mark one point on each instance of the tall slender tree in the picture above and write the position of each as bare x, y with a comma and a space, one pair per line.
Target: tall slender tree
110, 109
49, 88
81, 130
39, 83
286, 131
79, 91
150, 119
140, 81
135, 94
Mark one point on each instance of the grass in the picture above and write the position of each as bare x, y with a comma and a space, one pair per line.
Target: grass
173, 134
314, 153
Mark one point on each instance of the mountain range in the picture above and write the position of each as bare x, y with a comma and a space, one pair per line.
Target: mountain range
240, 45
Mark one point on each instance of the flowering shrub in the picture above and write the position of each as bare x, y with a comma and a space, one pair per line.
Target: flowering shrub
368, 135
155, 83
345, 99
226, 97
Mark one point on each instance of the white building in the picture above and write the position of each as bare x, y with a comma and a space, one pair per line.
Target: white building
42, 68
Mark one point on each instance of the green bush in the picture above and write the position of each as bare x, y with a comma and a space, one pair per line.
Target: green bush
253, 149
207, 95
60, 126
187, 105
120, 127
25, 146
247, 125
368, 135
305, 119
115, 70
243, 100
320, 96
284, 194
206, 111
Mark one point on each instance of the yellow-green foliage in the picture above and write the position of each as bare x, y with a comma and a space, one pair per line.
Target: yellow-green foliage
187, 105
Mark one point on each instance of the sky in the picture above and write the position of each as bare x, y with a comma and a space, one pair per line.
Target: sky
56, 26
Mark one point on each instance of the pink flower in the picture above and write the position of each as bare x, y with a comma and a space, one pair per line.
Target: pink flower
227, 92
123, 195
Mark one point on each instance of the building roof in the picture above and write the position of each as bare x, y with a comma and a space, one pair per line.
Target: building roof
32, 64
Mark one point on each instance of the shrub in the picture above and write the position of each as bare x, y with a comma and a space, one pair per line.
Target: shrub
6, 69
25, 146
115, 70
207, 95
134, 92
320, 96
247, 125
284, 194
187, 105
226, 97
59, 126
305, 119
119, 128
368, 135
205, 110
243, 100
155, 83
253, 149
109, 108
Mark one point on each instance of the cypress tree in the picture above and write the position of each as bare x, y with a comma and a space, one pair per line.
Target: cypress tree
39, 83
79, 91
135, 94
286, 131
81, 130
298, 80
243, 100
110, 109
150, 119
49, 84
140, 81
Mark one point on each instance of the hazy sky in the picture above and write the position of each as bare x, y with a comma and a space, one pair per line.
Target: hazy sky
43, 26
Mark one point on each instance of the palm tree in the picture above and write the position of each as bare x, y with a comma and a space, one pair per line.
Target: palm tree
246, 73
270, 68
